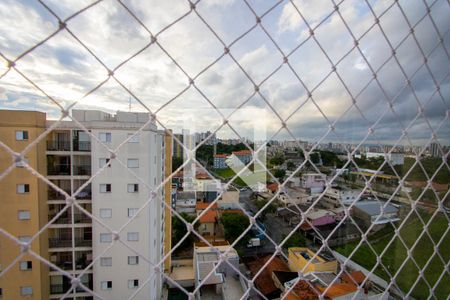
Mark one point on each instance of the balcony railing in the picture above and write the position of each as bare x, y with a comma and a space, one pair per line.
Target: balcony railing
58, 145
78, 218
80, 264
82, 169
82, 195
81, 146
53, 145
67, 243
58, 169
64, 287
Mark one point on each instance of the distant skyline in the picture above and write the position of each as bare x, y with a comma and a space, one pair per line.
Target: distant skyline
66, 71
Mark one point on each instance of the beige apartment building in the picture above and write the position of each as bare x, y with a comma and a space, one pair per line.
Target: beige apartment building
23, 203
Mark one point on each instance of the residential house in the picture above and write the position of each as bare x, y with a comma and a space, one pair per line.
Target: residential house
264, 282
208, 220
219, 161
305, 260
319, 217
229, 200
377, 213
186, 202
216, 277
315, 182
337, 196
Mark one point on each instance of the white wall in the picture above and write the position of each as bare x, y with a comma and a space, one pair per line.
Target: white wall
148, 223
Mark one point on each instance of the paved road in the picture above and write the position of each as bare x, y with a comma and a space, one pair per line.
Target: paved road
276, 227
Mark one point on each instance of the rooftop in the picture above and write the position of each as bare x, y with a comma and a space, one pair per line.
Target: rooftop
373, 208
264, 281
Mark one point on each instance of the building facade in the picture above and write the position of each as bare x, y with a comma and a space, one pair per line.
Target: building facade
23, 207
127, 187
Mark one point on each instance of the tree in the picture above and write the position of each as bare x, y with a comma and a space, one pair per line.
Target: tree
176, 163
295, 240
233, 225
269, 209
279, 173
179, 230
277, 160
290, 166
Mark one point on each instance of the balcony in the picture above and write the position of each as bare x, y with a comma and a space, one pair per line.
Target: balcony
64, 287
58, 169
67, 243
82, 195
80, 264
82, 170
81, 146
78, 218
53, 145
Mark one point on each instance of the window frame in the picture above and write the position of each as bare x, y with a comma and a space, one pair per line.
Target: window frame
105, 135
136, 166
135, 187
104, 210
24, 137
131, 235
105, 234
133, 258
106, 261
26, 188
19, 212
107, 186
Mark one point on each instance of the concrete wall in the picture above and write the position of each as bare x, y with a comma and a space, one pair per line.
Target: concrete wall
34, 201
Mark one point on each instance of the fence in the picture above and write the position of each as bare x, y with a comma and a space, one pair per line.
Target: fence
398, 49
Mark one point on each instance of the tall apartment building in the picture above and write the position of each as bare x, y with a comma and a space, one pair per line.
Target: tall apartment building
114, 196
23, 207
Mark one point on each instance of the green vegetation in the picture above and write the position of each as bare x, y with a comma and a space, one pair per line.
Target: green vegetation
205, 152
279, 173
396, 255
296, 240
233, 225
277, 160
260, 203
176, 163
179, 230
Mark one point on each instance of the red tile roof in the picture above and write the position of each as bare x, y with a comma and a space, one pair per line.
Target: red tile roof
303, 290
273, 187
209, 217
354, 277
242, 152
338, 289
204, 205
264, 281
221, 155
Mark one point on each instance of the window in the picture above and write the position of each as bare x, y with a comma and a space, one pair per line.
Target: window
105, 213
133, 283
106, 261
1, 292
133, 260
104, 161
133, 163
23, 188
133, 236
105, 238
134, 138
105, 137
26, 265
132, 212
26, 290
21, 135
133, 188
105, 188
106, 285
24, 214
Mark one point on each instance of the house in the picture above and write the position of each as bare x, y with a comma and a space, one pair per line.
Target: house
293, 196
377, 213
213, 275
305, 260
319, 217
208, 220
185, 202
337, 196
229, 200
272, 187
315, 182
290, 214
264, 282
345, 233
219, 161
245, 156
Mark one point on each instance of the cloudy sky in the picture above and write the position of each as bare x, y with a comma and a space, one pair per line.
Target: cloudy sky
158, 74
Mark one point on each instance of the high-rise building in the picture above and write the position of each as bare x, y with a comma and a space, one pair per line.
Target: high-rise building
23, 207
129, 190
434, 149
